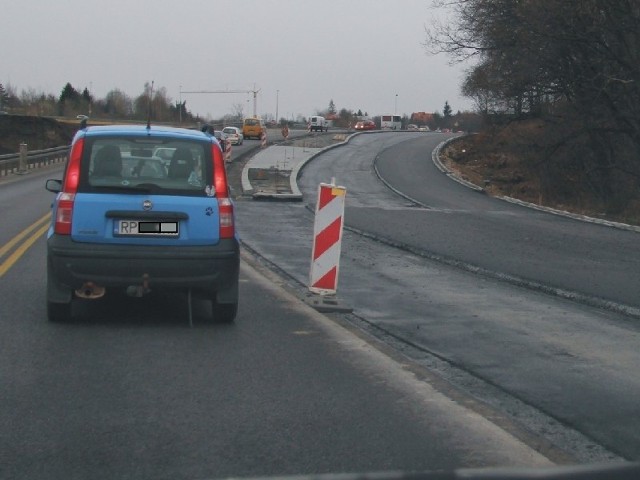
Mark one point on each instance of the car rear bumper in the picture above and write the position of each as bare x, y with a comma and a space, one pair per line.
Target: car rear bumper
207, 268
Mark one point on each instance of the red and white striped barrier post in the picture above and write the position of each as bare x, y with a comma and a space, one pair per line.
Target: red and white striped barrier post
327, 239
263, 139
227, 150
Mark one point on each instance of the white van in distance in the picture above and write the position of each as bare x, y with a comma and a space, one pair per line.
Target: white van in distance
318, 123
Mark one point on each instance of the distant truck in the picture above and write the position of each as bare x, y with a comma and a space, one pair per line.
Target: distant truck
318, 123
391, 122
253, 127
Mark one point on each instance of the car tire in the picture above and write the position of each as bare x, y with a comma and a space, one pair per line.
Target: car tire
58, 312
223, 312
59, 298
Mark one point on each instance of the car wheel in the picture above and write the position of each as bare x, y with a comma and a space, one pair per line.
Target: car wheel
59, 312
224, 312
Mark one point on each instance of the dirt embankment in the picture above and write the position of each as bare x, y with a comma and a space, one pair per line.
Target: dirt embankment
502, 172
37, 132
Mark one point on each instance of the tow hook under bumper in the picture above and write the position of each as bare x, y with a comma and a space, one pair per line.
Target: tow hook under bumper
139, 290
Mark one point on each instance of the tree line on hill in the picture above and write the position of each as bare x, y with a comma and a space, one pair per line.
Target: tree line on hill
115, 105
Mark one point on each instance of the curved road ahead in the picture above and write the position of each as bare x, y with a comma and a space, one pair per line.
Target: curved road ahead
566, 369
468, 227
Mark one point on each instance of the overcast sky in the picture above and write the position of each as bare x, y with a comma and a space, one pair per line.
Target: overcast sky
299, 54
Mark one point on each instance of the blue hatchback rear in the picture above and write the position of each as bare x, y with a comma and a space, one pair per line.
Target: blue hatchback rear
140, 209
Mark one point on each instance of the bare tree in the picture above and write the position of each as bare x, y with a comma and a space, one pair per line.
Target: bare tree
572, 64
118, 104
237, 112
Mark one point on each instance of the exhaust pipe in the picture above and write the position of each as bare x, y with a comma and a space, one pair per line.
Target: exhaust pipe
90, 291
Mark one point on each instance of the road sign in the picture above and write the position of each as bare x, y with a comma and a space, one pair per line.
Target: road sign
227, 150
327, 239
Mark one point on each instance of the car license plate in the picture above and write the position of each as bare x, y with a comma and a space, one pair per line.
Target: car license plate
146, 228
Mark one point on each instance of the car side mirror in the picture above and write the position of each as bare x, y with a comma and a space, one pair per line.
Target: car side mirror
54, 185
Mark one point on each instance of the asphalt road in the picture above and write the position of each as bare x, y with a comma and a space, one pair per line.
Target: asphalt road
565, 369
130, 391
591, 260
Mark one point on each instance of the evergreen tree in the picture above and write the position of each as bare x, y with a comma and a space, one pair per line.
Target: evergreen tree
332, 107
446, 111
86, 95
4, 97
69, 100
69, 94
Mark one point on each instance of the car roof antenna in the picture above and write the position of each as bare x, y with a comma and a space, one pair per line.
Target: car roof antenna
149, 109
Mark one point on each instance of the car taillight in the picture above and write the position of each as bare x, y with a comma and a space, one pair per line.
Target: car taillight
227, 226
73, 169
225, 206
64, 213
64, 203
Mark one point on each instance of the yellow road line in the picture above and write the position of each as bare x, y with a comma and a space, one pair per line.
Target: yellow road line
8, 246
13, 258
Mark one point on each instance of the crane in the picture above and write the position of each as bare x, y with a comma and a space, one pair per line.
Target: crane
254, 91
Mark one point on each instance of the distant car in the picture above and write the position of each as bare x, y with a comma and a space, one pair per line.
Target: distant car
123, 221
423, 128
234, 134
412, 128
144, 167
164, 153
365, 125
222, 138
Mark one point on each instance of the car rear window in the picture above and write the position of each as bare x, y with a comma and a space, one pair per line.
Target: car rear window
154, 165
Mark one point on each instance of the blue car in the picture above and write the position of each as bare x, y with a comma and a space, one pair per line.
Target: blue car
140, 209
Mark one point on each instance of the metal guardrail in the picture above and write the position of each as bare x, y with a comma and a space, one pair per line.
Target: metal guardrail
24, 161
